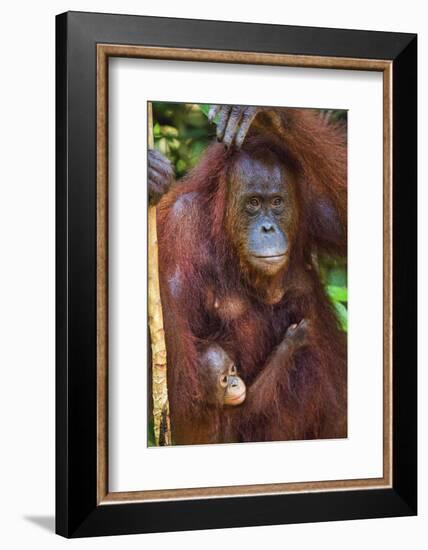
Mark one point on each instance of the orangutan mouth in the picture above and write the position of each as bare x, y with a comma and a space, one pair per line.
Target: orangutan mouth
271, 259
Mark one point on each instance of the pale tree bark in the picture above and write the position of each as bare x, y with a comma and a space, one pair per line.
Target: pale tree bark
161, 420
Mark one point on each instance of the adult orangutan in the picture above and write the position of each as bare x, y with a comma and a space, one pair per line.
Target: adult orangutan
237, 241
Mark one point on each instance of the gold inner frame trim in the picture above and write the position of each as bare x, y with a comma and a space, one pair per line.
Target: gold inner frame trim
104, 51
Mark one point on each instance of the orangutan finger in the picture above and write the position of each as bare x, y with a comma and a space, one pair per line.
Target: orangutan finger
232, 125
247, 119
213, 112
158, 162
224, 117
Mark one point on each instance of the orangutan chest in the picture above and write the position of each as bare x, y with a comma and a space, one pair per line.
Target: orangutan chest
252, 333
227, 307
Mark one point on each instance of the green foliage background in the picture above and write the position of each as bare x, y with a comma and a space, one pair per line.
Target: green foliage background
182, 132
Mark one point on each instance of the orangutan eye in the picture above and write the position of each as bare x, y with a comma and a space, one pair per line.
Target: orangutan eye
233, 369
253, 204
223, 381
277, 201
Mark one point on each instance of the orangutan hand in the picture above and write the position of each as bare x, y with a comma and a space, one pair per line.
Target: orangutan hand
298, 335
234, 123
160, 176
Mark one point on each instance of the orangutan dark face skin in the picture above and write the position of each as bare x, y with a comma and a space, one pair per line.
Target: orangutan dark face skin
262, 212
220, 378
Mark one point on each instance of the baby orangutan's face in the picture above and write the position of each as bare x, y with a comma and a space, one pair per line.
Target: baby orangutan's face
220, 378
233, 387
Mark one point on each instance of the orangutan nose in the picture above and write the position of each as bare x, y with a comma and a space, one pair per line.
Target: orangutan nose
267, 227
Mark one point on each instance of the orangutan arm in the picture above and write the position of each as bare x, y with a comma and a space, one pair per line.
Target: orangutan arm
268, 386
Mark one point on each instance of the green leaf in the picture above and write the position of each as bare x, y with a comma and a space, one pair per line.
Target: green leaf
197, 147
342, 315
151, 435
206, 109
157, 130
174, 144
163, 146
168, 131
337, 293
337, 276
181, 166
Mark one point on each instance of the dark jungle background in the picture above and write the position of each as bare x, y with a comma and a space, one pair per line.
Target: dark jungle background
182, 132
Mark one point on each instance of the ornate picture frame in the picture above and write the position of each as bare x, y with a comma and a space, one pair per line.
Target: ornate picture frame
84, 44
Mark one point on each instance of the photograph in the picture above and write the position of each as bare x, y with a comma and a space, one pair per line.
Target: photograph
247, 273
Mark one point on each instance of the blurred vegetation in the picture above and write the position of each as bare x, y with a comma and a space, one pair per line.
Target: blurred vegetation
333, 273
151, 440
182, 132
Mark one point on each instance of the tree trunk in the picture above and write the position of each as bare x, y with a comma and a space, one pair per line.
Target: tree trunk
162, 429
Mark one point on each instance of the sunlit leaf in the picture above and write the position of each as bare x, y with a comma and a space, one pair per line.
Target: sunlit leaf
342, 315
174, 144
204, 108
163, 147
156, 130
168, 131
337, 293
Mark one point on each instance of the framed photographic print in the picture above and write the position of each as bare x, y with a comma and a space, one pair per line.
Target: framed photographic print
236, 274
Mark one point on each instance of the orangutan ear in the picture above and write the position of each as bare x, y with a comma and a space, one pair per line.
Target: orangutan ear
328, 234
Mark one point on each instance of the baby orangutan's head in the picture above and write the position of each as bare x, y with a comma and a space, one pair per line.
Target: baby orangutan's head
220, 378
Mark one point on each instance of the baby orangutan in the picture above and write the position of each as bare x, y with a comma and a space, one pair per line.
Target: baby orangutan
222, 390
220, 379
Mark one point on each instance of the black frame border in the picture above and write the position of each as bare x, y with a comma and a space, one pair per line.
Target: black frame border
77, 512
